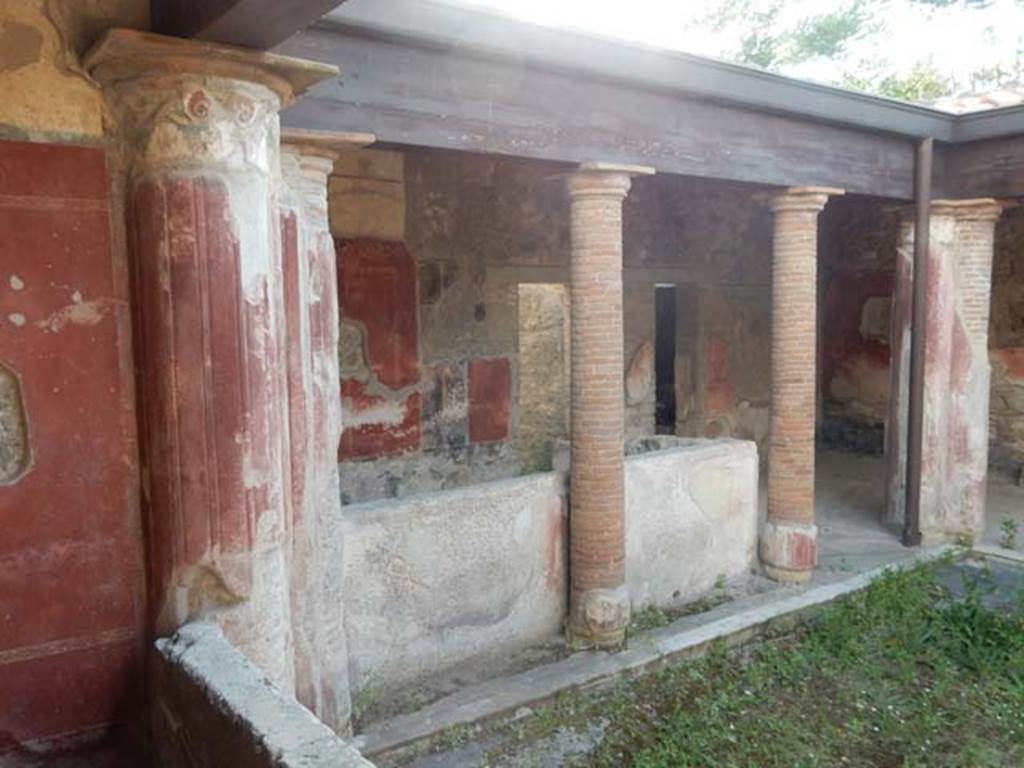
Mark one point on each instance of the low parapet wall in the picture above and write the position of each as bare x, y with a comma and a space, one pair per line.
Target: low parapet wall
213, 707
437, 581
691, 517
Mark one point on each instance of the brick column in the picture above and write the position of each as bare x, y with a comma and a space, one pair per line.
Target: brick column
314, 421
599, 603
954, 460
198, 129
789, 547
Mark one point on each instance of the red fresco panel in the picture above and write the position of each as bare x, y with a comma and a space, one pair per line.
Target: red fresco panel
391, 437
490, 396
844, 302
720, 397
377, 288
70, 691
71, 550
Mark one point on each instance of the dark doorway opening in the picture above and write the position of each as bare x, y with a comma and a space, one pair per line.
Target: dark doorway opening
665, 358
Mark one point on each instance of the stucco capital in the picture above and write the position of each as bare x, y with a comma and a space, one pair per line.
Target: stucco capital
977, 209
810, 199
598, 179
185, 105
124, 55
307, 157
328, 144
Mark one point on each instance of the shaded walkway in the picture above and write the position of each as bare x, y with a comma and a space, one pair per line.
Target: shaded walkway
849, 497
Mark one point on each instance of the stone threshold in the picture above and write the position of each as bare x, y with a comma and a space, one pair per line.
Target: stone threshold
998, 553
733, 624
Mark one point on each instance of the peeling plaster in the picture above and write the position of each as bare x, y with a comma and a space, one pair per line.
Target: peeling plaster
14, 440
79, 313
45, 93
640, 376
385, 413
20, 45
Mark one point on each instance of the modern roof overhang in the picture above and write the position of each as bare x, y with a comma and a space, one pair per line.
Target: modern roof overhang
423, 73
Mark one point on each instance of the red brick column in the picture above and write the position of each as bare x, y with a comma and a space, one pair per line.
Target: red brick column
198, 126
314, 421
599, 603
789, 537
954, 457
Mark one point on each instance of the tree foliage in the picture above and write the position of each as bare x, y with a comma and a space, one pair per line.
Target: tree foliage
768, 39
923, 83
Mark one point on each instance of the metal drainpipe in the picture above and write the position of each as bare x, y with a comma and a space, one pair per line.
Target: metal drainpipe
919, 314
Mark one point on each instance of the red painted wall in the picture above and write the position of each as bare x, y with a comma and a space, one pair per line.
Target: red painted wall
382, 417
377, 439
377, 290
844, 347
720, 399
490, 397
71, 579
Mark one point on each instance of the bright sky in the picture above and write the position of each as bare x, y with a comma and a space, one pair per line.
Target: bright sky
958, 39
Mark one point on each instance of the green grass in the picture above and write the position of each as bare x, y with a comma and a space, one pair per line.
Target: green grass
653, 617
1008, 533
900, 674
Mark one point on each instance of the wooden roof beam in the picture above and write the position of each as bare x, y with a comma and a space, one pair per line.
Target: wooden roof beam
258, 24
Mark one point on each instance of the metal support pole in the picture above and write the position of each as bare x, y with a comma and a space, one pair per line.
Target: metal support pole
915, 420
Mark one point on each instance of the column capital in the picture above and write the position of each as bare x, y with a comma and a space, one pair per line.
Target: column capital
977, 209
600, 179
197, 106
811, 199
124, 55
311, 154
327, 144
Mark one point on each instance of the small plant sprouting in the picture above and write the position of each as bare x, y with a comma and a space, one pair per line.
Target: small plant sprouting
651, 617
1009, 529
965, 541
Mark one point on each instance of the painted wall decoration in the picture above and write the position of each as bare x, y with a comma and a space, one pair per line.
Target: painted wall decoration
71, 580
490, 396
380, 363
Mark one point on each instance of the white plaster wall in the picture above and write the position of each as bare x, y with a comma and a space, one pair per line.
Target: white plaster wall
441, 580
213, 706
436, 580
691, 518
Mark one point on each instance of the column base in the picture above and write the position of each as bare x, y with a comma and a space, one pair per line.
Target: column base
789, 551
598, 618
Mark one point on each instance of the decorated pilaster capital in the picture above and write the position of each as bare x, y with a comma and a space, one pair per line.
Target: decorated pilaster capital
977, 209
307, 157
597, 179
328, 144
184, 104
809, 199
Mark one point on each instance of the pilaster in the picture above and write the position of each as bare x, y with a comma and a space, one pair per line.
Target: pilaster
954, 460
198, 127
314, 421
